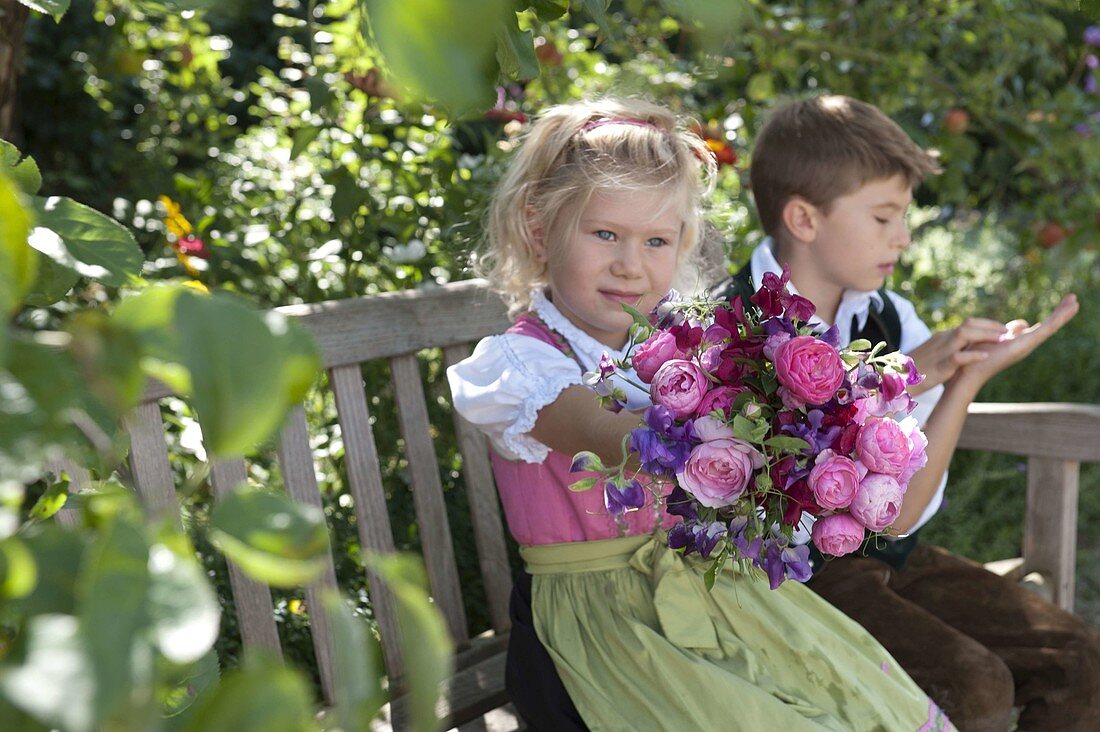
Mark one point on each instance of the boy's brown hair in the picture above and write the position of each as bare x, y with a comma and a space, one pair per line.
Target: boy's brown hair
826, 147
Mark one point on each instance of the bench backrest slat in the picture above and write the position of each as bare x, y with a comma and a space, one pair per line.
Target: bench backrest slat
431, 511
149, 461
369, 497
396, 323
300, 478
251, 598
481, 494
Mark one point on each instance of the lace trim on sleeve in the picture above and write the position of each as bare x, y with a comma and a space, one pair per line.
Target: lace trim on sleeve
545, 389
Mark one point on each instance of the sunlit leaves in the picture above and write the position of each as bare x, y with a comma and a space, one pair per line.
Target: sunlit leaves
439, 51
17, 260
272, 538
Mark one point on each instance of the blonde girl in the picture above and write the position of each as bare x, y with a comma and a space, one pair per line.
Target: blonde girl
600, 207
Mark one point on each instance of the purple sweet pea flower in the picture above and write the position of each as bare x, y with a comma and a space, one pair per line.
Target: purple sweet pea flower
1092, 35
745, 549
659, 455
1091, 85
679, 503
811, 431
782, 562
831, 336
619, 500
1092, 61
584, 462
696, 537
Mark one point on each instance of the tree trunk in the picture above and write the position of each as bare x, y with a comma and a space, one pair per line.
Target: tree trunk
13, 21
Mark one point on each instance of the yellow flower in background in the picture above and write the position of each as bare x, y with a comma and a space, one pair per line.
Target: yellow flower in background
198, 286
174, 220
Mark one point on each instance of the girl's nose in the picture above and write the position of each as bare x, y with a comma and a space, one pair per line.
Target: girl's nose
628, 261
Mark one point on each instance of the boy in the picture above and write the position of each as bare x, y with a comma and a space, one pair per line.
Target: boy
832, 178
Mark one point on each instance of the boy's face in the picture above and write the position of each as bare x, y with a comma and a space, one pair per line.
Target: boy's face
859, 241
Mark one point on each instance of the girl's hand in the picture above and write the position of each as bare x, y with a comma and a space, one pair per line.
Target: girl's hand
1019, 340
946, 351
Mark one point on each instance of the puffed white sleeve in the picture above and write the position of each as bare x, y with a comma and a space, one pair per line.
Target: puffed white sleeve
502, 386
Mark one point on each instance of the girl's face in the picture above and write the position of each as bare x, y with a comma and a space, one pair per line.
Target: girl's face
625, 249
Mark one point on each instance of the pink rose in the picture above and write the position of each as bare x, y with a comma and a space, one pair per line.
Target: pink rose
918, 458
810, 368
834, 480
877, 501
652, 354
883, 446
718, 471
720, 398
679, 385
838, 534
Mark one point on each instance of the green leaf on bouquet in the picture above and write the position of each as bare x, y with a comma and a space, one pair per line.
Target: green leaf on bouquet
639, 319
583, 484
516, 52
715, 567
788, 444
860, 344
742, 428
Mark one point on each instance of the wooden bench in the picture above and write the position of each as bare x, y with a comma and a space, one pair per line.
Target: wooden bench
1054, 437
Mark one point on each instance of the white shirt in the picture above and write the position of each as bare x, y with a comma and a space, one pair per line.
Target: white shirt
855, 304
508, 378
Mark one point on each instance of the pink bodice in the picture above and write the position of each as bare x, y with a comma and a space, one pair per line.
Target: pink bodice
540, 508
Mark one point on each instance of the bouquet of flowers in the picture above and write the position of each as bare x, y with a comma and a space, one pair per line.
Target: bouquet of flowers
757, 420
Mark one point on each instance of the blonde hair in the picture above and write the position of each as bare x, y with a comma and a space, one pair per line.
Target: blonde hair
826, 147
573, 152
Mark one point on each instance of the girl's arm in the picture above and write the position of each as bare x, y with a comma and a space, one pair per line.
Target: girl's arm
945, 424
575, 421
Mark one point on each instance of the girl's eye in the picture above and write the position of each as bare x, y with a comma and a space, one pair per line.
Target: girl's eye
657, 242
882, 220
605, 235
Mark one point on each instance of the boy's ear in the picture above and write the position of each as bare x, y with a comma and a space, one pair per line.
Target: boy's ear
800, 217
537, 235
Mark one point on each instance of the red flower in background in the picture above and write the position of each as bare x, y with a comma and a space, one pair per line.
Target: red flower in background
192, 246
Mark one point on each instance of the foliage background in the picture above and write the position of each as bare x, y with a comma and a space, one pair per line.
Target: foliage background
309, 173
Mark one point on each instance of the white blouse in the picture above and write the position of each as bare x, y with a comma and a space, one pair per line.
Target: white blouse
508, 378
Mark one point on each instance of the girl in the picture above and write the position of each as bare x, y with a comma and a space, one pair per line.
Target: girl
600, 207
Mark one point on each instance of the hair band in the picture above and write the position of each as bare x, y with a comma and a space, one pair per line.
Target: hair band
594, 123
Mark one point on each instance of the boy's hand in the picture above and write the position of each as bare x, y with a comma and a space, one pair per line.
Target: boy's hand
1019, 340
946, 352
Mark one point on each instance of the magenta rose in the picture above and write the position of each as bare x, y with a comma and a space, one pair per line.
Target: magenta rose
651, 355
809, 368
679, 385
838, 534
883, 446
834, 480
720, 398
877, 501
